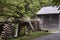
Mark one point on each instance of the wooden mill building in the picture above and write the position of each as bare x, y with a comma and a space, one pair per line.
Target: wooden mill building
49, 17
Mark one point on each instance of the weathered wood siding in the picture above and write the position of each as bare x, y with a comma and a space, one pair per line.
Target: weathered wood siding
51, 21
59, 21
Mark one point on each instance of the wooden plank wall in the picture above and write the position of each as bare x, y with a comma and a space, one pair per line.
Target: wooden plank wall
51, 21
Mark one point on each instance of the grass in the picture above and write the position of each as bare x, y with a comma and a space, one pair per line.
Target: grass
32, 35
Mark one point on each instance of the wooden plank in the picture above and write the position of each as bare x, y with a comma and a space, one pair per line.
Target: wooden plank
59, 21
31, 25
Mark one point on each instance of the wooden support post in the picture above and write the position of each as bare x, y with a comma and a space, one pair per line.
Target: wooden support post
31, 25
16, 31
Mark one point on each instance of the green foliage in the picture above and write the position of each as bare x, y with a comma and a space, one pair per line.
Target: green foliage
21, 8
56, 2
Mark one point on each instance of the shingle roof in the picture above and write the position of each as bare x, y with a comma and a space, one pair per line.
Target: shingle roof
49, 10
